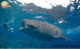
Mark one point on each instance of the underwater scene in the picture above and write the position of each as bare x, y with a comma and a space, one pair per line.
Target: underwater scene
39, 23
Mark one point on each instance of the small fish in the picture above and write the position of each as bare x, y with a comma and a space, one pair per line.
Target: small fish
8, 28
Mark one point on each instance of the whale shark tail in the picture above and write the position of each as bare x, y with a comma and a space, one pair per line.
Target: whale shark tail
67, 38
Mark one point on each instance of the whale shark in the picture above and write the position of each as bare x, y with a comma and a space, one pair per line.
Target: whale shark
46, 30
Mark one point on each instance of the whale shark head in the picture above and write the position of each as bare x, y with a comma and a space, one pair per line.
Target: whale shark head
29, 24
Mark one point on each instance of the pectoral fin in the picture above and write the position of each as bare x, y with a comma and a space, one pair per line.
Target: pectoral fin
67, 38
21, 28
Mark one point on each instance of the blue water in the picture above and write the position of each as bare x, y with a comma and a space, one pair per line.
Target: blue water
19, 39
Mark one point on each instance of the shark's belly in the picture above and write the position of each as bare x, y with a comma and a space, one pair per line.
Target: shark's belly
39, 35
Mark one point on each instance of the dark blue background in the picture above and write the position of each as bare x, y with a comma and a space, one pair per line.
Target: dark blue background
18, 39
